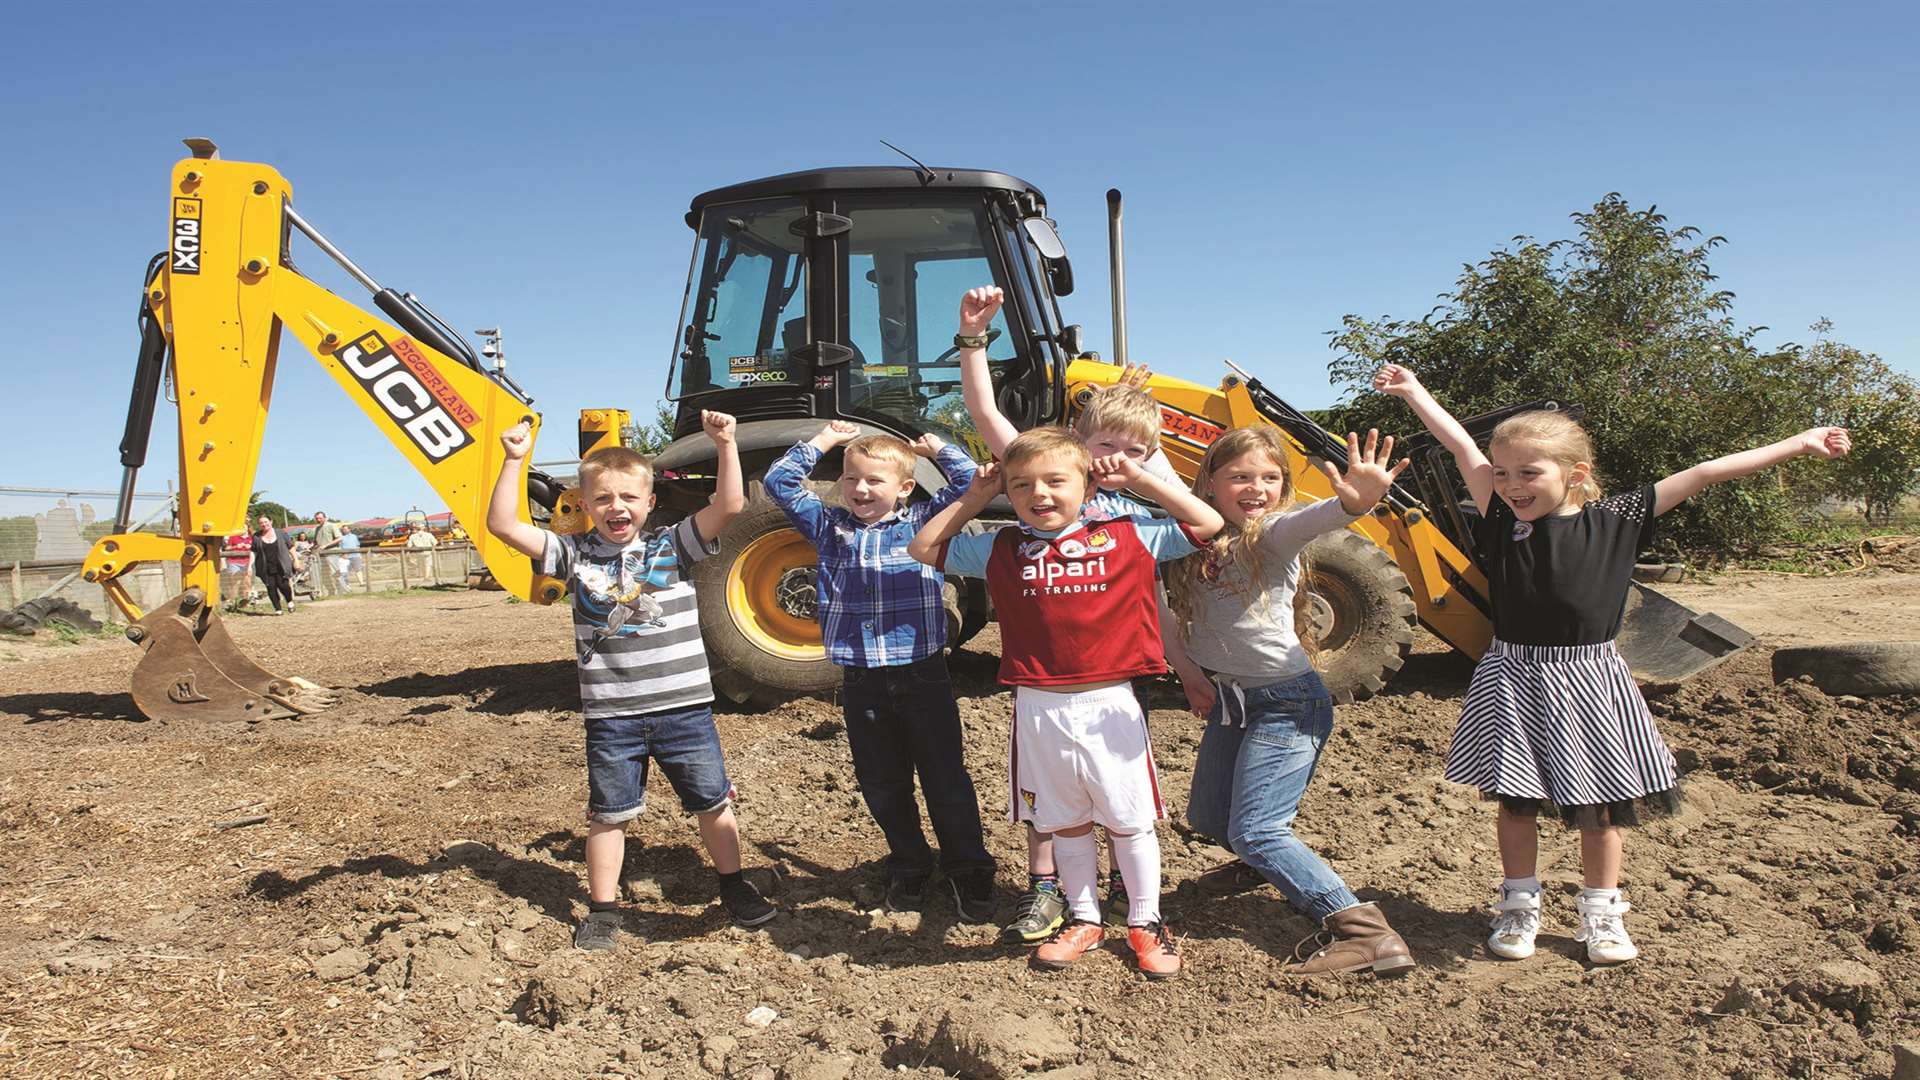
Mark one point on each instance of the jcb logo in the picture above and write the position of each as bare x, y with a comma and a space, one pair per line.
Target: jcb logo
399, 392
186, 237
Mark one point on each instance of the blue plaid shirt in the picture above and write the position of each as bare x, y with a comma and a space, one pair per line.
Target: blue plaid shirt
878, 605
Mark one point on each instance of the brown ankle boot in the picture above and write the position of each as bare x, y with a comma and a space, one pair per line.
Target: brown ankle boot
1353, 940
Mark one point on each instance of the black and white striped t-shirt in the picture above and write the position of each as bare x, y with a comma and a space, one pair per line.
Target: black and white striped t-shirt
636, 621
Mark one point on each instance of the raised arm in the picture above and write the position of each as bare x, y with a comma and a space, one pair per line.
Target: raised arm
1824, 442
977, 309
786, 479
503, 509
1119, 470
729, 488
945, 525
1473, 465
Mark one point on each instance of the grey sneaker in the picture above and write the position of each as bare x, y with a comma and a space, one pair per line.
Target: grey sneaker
907, 892
1038, 914
1114, 912
598, 932
744, 904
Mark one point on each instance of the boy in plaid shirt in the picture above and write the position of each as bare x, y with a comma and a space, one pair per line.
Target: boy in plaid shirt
884, 624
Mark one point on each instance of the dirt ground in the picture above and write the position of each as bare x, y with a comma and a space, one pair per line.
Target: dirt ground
405, 910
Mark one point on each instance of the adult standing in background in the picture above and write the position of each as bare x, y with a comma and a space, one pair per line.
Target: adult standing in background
326, 536
349, 556
273, 563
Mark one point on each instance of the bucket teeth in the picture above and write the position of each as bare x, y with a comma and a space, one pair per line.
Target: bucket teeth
191, 669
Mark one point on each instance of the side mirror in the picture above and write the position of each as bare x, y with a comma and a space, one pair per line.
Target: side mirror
1070, 339
1053, 254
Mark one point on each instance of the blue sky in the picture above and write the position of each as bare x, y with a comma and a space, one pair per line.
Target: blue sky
1284, 164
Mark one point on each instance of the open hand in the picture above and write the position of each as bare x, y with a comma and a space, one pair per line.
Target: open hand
719, 426
987, 483
1367, 477
1134, 376
1826, 442
1396, 380
928, 446
1115, 471
517, 441
978, 307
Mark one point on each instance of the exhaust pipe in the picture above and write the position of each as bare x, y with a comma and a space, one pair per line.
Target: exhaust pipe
1118, 261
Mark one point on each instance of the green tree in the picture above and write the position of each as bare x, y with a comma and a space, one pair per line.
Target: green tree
651, 438
1881, 408
1624, 320
278, 514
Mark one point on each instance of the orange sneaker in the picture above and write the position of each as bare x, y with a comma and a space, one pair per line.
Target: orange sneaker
1154, 952
1069, 944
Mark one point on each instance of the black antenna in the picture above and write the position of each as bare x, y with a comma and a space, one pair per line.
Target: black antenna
926, 174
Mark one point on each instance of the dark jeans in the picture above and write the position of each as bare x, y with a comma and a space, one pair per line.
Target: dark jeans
902, 720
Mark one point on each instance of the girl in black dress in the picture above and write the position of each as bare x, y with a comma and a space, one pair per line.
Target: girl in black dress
1552, 716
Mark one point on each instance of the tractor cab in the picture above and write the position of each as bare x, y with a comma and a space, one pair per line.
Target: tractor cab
834, 294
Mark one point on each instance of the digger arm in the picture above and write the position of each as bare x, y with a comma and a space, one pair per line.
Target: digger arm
226, 292
1447, 587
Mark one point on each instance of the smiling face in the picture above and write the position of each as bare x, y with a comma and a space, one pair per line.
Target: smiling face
1047, 490
1533, 483
618, 502
1248, 486
872, 487
265, 523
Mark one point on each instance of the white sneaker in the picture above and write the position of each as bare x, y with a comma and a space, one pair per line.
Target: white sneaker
1604, 932
1516, 922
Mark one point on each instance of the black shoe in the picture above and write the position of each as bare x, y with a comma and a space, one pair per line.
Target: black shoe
907, 892
973, 895
744, 903
598, 932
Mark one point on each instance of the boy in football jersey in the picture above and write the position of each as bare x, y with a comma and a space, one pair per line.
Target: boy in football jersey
1078, 619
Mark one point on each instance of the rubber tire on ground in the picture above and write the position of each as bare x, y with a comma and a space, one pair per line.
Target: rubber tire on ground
30, 616
1373, 614
742, 670
1854, 667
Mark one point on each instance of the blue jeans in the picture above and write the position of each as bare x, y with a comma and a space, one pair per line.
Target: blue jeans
1247, 784
904, 720
683, 741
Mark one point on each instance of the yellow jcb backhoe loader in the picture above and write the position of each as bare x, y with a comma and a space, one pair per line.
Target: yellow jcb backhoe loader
828, 294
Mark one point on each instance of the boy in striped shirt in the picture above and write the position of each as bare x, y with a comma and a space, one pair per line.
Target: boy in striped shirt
644, 686
883, 622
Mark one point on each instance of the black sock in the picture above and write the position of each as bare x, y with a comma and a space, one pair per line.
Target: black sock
728, 879
603, 905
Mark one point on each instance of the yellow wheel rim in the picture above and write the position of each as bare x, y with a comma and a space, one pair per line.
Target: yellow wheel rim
770, 594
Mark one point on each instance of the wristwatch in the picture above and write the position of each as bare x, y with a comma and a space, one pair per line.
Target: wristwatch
971, 341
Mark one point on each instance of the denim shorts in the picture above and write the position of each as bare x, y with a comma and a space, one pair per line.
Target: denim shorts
684, 742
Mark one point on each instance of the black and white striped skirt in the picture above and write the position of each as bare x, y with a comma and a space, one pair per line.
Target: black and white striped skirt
1562, 725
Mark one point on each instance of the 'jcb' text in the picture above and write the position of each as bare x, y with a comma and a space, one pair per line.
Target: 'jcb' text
399, 393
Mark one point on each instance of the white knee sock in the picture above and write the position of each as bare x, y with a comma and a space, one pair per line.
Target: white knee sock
1077, 859
1138, 857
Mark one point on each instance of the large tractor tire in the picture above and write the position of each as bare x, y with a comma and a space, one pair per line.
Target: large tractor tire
757, 610
1360, 612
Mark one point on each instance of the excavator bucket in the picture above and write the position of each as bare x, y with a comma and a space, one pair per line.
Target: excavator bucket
190, 669
1666, 643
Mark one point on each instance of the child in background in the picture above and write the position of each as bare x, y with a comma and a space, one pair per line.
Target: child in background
1552, 715
644, 685
1078, 620
1120, 419
884, 624
1268, 714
